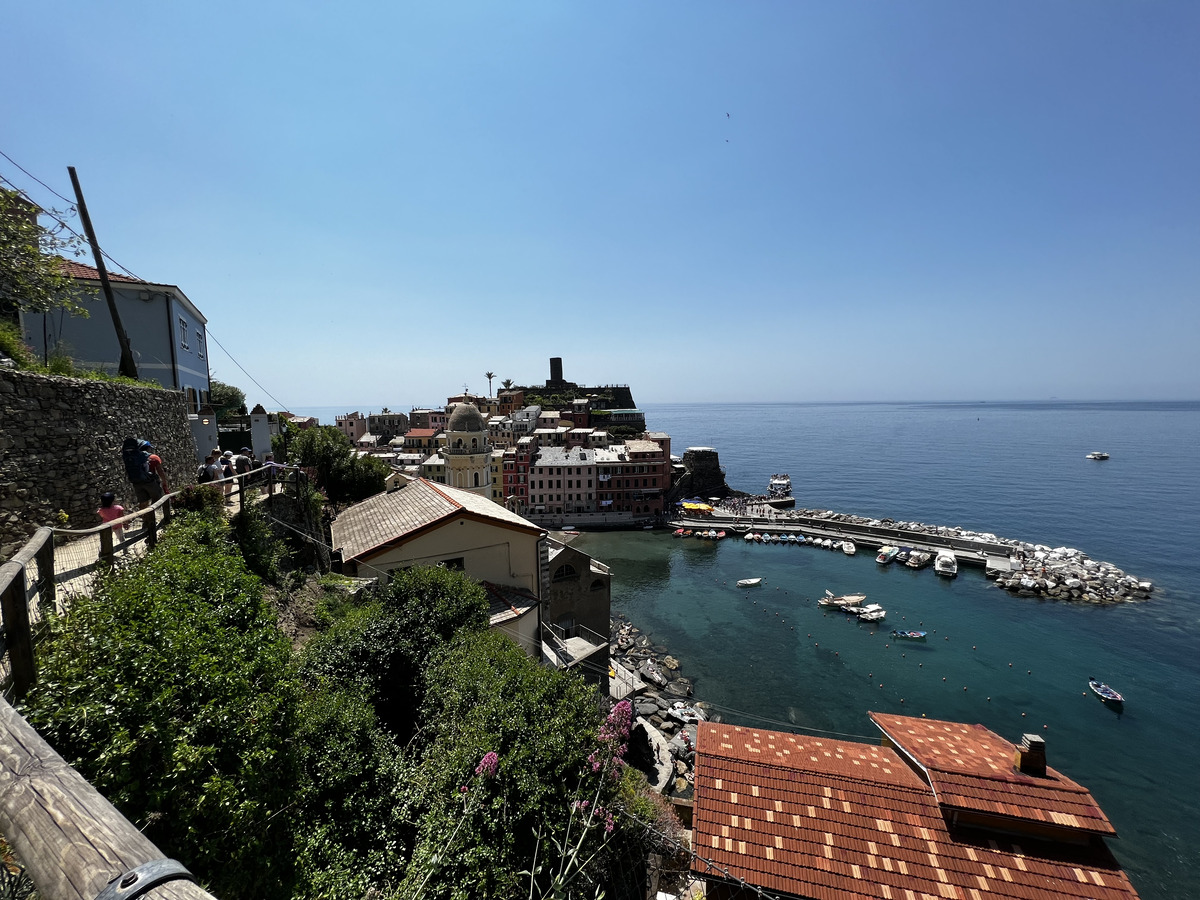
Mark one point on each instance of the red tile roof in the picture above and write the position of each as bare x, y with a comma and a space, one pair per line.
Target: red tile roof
78, 270
821, 818
422, 432
972, 768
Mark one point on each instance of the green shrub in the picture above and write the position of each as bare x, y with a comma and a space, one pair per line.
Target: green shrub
172, 691
262, 550
12, 346
200, 498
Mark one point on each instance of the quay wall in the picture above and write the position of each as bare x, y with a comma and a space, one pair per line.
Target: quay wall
60, 448
972, 552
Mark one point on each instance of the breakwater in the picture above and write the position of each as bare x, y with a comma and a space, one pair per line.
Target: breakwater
1024, 568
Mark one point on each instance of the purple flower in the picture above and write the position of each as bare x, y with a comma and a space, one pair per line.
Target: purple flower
488, 765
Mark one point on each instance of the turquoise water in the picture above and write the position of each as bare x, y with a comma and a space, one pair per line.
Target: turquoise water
771, 656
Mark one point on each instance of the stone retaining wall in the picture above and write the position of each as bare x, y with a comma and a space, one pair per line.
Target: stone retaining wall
60, 448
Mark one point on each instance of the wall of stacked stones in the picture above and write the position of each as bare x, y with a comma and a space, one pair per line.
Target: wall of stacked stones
60, 448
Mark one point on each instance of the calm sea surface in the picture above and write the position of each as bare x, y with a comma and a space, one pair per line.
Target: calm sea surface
773, 657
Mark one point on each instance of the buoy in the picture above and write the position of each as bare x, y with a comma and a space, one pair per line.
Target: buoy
972, 646
920, 665
964, 688
989, 699
1022, 715
901, 699
1010, 665
1030, 672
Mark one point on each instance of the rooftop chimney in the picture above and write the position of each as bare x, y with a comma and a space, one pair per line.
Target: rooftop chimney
1030, 757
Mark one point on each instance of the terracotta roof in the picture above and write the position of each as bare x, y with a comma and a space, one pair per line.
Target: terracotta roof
972, 768
388, 518
78, 270
506, 602
422, 432
822, 818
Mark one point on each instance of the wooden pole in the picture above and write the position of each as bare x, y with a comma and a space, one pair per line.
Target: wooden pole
71, 840
127, 367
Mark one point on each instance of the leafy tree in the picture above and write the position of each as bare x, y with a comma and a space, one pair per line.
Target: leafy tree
226, 399
31, 260
329, 455
172, 691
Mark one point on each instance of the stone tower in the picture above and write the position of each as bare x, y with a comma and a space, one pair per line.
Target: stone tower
468, 453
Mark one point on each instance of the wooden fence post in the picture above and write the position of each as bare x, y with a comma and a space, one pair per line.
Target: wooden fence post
18, 637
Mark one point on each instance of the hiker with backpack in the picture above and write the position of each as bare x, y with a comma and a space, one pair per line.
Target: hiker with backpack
145, 471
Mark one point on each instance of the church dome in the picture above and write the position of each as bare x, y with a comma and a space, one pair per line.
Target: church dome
466, 417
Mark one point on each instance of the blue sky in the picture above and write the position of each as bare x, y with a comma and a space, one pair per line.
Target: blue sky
374, 204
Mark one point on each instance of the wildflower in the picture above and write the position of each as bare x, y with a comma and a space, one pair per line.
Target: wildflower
488, 765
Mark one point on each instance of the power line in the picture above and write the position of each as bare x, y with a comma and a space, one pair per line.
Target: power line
70, 203
243, 368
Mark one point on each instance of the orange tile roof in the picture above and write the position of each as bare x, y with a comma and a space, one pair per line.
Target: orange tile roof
821, 818
74, 269
972, 768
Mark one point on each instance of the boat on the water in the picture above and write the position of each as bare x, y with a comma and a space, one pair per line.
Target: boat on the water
945, 564
779, 492
886, 554
919, 559
679, 532
1104, 692
720, 536
1097, 454
830, 599
749, 582
872, 612
909, 635
749, 536
854, 610
827, 544
848, 548
902, 555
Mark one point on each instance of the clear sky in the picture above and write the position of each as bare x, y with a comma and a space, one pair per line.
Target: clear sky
375, 203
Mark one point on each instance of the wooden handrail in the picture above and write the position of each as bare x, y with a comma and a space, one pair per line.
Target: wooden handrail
71, 840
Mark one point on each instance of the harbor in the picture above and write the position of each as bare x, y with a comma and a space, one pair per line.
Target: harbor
1024, 568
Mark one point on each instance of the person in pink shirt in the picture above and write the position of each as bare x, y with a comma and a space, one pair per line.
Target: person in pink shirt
109, 511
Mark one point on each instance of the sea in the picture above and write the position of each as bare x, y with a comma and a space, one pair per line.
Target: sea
770, 657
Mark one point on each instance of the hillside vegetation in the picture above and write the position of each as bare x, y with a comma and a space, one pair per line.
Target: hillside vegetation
406, 751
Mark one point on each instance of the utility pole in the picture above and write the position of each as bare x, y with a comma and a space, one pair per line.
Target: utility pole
127, 367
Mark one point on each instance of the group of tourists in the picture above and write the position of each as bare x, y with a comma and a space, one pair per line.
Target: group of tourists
146, 473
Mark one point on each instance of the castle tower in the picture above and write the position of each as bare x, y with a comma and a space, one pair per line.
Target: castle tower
468, 452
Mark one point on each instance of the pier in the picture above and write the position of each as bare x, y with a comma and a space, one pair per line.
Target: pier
969, 550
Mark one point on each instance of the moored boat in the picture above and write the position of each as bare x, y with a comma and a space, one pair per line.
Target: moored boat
749, 582
679, 532
902, 556
886, 554
872, 612
779, 492
1097, 454
720, 535
909, 635
848, 548
830, 599
1105, 693
945, 564
919, 559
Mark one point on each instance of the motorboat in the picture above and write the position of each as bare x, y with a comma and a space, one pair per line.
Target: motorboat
1105, 693
827, 544
854, 610
872, 612
919, 559
1097, 454
679, 532
749, 582
848, 548
902, 555
749, 536
909, 635
792, 539
720, 536
945, 564
830, 599
886, 554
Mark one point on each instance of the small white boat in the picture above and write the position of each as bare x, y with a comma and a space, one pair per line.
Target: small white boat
848, 548
845, 600
749, 536
919, 559
854, 610
827, 544
872, 615
886, 554
1097, 454
749, 582
945, 564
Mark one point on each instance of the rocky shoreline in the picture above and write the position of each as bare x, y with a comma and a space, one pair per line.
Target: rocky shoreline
667, 704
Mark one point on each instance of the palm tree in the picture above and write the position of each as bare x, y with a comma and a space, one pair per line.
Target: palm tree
489, 376
506, 383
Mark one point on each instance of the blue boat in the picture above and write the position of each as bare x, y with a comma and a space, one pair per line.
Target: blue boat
909, 635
